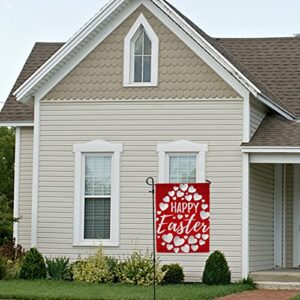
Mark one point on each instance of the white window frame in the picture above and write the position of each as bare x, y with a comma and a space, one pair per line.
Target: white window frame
129, 54
101, 148
182, 147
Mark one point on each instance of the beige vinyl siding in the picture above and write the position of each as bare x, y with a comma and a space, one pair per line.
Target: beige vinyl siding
140, 126
261, 235
25, 187
257, 113
289, 215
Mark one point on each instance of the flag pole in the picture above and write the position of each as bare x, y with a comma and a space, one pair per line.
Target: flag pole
150, 182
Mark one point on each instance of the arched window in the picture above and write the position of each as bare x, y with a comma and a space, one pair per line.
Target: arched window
141, 55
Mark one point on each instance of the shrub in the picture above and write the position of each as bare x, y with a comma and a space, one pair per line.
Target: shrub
3, 267
94, 269
12, 251
113, 266
174, 274
12, 270
33, 265
216, 271
138, 269
58, 268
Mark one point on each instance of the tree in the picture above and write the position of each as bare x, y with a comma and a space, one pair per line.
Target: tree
7, 158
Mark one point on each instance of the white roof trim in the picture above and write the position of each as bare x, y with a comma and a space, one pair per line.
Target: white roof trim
98, 146
262, 149
15, 124
182, 146
27, 87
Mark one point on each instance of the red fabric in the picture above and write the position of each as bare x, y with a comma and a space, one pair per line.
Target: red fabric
182, 218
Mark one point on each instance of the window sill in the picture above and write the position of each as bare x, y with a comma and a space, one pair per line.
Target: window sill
96, 243
142, 84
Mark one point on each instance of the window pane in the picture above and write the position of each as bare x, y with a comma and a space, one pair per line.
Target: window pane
97, 219
147, 45
138, 68
97, 175
147, 69
138, 46
182, 169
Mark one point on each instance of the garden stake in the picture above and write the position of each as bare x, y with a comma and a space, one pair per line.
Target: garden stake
150, 182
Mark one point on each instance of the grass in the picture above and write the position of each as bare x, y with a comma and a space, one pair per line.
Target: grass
60, 290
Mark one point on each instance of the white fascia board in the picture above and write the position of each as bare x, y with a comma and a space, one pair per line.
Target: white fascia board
16, 124
249, 149
276, 107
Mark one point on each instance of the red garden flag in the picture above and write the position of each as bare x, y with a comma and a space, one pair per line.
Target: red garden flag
182, 218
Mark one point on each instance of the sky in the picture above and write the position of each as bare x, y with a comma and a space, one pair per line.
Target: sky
22, 23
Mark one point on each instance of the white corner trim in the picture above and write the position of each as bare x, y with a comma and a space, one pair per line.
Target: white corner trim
245, 216
35, 173
182, 146
262, 149
246, 118
99, 146
17, 182
15, 124
128, 72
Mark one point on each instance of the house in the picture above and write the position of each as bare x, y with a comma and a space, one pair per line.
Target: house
141, 91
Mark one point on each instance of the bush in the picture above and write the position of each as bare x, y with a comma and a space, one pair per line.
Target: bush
113, 266
216, 271
138, 269
12, 251
3, 267
95, 269
58, 268
33, 265
12, 270
174, 274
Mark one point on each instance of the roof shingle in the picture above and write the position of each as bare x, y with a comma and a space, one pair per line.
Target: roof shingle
14, 111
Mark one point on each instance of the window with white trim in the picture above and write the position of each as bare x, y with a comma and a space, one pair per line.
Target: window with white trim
141, 55
96, 212
182, 162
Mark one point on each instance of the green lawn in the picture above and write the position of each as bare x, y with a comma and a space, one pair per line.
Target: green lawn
51, 290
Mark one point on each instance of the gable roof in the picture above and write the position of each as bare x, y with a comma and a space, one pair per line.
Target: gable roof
13, 110
270, 64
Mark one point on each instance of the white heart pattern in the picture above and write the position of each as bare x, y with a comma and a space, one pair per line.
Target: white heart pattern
176, 250
179, 217
197, 197
180, 194
178, 241
201, 243
195, 247
163, 244
205, 237
192, 190
166, 199
188, 197
185, 249
159, 213
204, 206
198, 236
171, 193
168, 238
184, 187
192, 240
170, 247
163, 206
175, 188
204, 215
